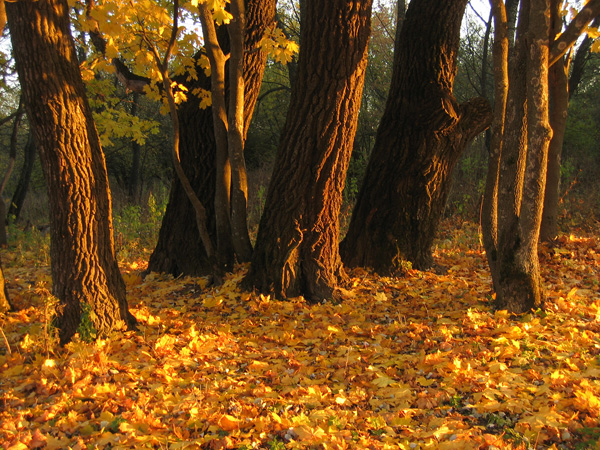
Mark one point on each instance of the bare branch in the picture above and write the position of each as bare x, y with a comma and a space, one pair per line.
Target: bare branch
575, 29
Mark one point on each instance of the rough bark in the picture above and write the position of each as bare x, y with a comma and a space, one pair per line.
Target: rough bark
420, 137
18, 198
512, 10
296, 252
179, 250
84, 267
163, 66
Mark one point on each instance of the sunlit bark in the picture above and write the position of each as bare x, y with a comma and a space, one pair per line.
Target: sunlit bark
296, 251
84, 267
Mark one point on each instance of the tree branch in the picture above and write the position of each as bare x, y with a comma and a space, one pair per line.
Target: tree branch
574, 30
128, 79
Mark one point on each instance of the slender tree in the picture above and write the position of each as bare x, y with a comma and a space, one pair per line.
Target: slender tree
420, 137
565, 76
84, 267
296, 252
521, 133
8, 173
18, 198
179, 250
4, 297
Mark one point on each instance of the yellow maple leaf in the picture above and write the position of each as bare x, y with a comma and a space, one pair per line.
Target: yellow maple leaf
383, 381
228, 423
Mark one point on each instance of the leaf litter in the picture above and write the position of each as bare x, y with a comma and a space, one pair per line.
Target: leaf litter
417, 362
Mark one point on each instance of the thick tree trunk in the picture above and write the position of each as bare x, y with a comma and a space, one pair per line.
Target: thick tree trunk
84, 267
179, 250
18, 198
296, 252
421, 135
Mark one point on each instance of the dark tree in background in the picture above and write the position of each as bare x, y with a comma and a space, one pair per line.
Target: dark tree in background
296, 252
419, 140
18, 197
84, 267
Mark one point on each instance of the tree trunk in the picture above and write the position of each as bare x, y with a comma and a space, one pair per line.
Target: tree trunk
559, 98
84, 267
489, 207
562, 87
134, 181
11, 164
5, 305
217, 58
522, 169
422, 133
235, 135
18, 198
296, 252
179, 250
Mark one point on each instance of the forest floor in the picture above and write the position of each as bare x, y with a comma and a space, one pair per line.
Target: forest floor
418, 362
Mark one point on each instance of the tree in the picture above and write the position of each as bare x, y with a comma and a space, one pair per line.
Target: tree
521, 133
85, 274
11, 164
562, 86
178, 249
231, 193
4, 297
296, 251
420, 137
18, 198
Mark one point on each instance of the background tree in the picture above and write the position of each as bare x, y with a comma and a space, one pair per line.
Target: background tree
11, 164
84, 268
564, 82
421, 135
20, 192
296, 251
4, 298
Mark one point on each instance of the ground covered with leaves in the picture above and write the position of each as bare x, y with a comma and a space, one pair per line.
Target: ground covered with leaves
421, 361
